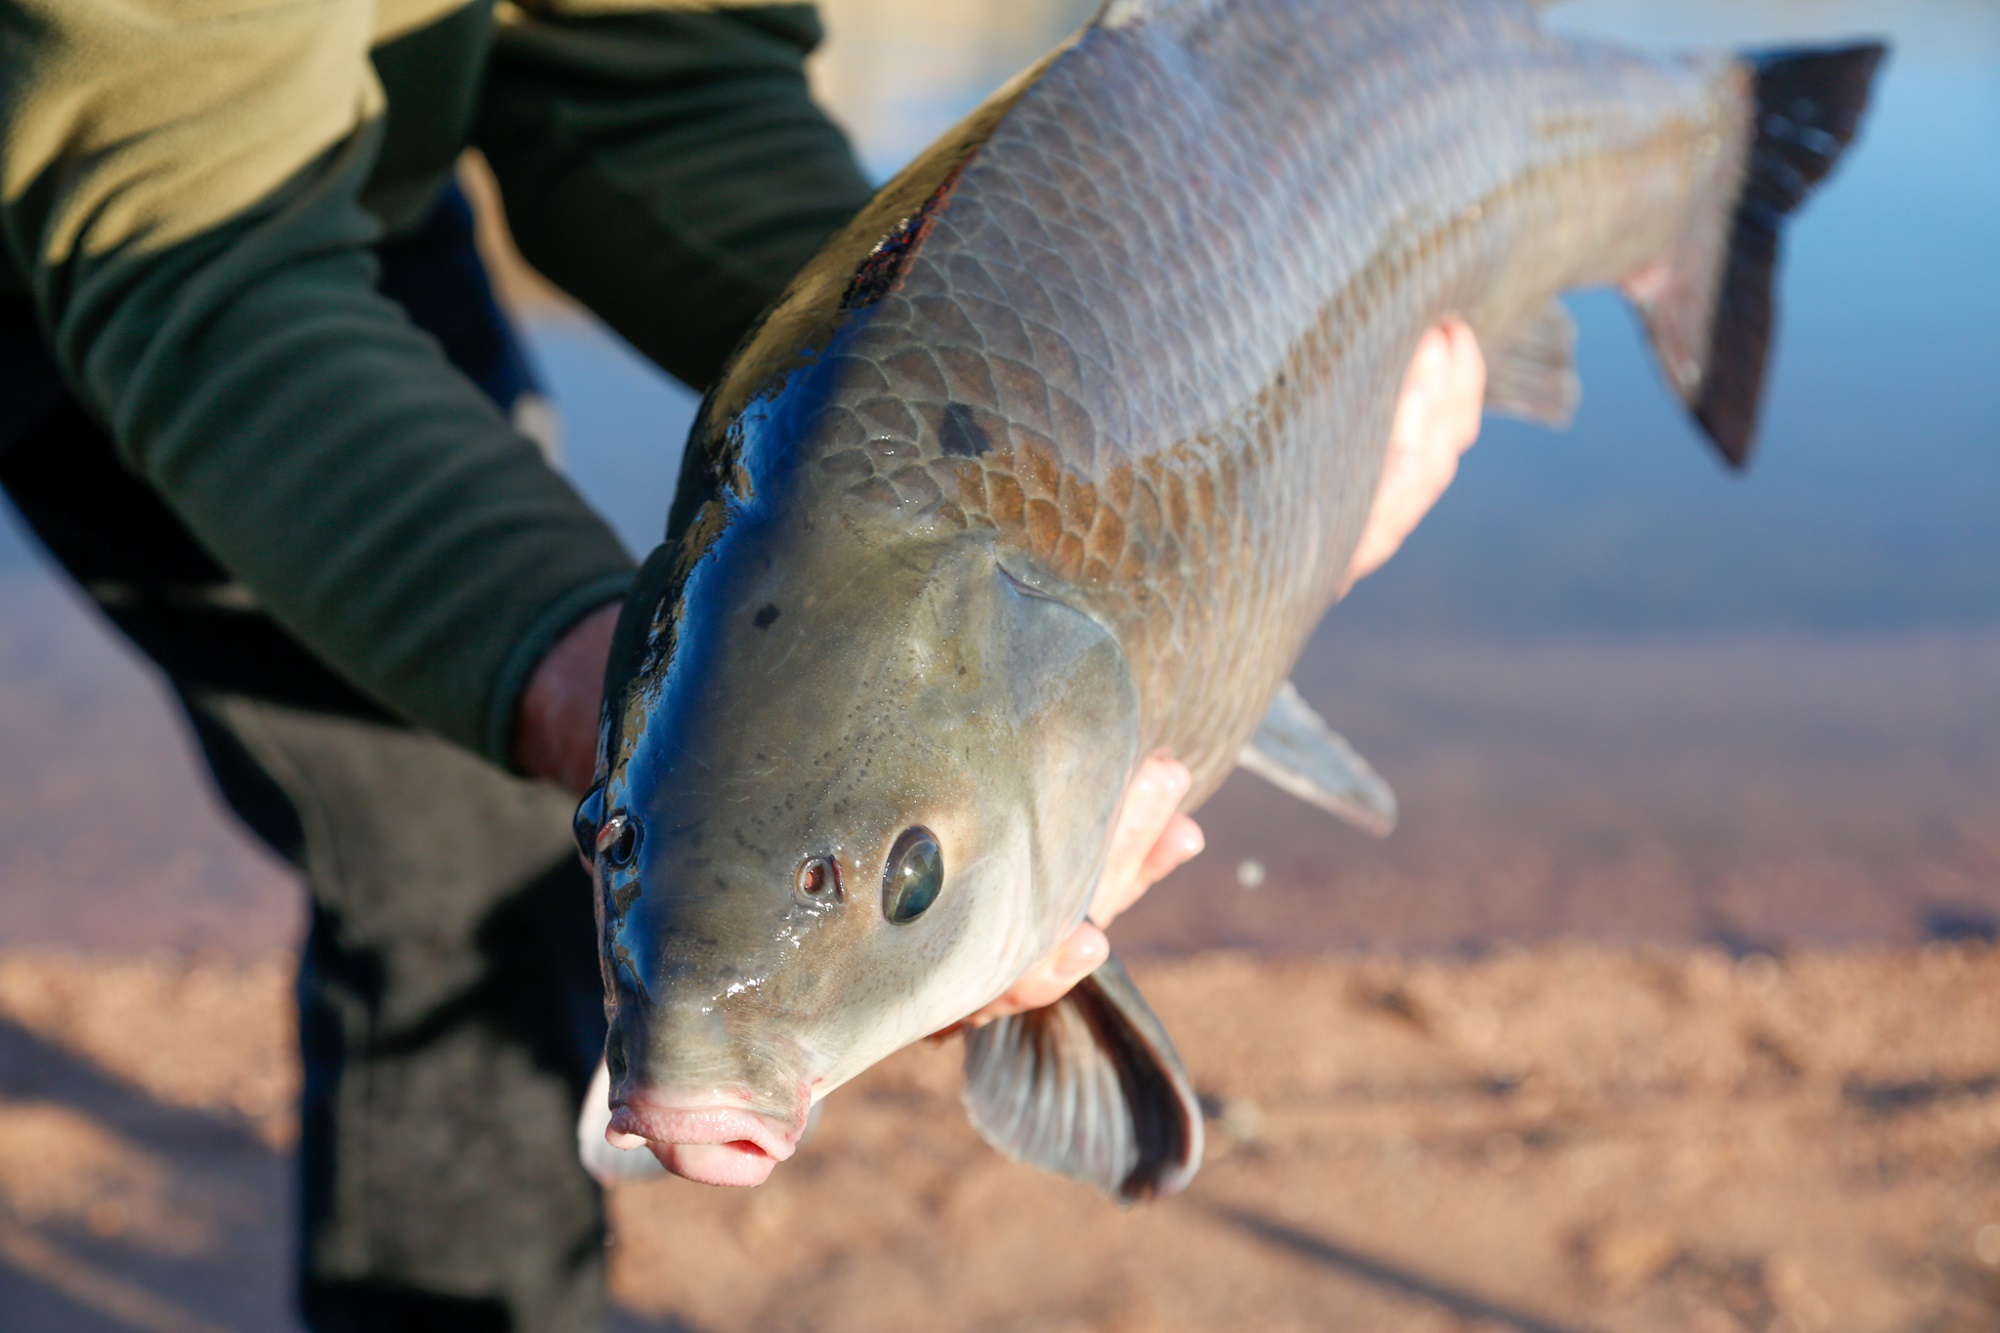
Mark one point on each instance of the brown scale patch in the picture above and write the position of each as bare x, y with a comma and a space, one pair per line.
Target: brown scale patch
1024, 438
1005, 501
1174, 493
1131, 572
1142, 511
968, 481
1077, 499
1039, 469
1202, 491
1116, 488
1096, 573
1228, 480
1106, 542
1069, 556
1044, 527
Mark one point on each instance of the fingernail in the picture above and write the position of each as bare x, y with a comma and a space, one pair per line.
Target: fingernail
1081, 955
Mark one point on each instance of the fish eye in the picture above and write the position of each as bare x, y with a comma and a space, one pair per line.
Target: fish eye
913, 877
818, 880
618, 841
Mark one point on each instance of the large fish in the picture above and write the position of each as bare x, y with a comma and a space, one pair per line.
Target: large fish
1055, 455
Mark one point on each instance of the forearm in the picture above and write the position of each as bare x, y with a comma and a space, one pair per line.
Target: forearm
320, 447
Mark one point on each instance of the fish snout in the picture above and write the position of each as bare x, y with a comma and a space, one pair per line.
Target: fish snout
704, 1139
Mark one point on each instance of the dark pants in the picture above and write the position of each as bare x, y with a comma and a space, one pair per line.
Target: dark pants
449, 1008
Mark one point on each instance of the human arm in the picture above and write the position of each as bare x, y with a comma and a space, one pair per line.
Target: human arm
668, 168
183, 204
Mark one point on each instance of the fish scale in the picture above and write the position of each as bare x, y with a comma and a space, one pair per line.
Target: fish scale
1169, 286
1055, 455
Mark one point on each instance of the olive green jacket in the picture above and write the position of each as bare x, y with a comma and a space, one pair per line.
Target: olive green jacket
189, 193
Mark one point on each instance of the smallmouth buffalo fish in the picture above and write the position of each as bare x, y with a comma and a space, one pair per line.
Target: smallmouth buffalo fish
1055, 456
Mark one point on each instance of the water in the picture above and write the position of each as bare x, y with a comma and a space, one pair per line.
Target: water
1621, 692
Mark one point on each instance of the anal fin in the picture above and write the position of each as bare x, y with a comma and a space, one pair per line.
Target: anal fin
1090, 1088
1295, 751
1533, 375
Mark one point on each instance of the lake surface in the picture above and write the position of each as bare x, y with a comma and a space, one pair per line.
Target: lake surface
1621, 692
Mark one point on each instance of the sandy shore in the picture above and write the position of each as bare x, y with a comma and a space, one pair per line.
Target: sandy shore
1565, 1138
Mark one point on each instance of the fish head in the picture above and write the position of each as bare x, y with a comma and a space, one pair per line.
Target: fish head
864, 780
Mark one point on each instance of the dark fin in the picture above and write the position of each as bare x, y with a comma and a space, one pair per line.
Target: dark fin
1295, 751
1709, 308
1089, 1088
1533, 375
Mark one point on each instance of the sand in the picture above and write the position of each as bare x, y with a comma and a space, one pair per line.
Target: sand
1567, 1137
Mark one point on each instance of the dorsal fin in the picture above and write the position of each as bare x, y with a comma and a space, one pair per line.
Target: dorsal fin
1121, 13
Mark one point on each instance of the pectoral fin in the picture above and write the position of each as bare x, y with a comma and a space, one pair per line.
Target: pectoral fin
1533, 376
1089, 1088
1297, 752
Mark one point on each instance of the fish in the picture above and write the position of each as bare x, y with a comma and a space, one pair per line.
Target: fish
1054, 457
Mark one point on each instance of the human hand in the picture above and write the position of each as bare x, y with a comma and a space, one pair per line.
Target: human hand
1437, 419
555, 724
1148, 842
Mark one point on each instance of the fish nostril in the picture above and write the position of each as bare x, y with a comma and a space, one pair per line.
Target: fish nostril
818, 881
618, 841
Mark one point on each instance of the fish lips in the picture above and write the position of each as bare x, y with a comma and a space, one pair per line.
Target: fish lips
703, 1140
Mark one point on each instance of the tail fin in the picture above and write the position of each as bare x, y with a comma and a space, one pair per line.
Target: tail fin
1709, 307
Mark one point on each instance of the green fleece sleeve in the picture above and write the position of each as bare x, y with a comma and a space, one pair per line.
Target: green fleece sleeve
179, 190
669, 169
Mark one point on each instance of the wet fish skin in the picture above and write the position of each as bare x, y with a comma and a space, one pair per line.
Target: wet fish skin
1056, 455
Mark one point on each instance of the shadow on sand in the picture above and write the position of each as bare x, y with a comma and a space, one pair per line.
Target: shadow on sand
1381, 1273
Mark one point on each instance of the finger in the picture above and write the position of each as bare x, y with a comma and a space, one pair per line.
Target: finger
1437, 418
1461, 386
1181, 843
1155, 792
1049, 980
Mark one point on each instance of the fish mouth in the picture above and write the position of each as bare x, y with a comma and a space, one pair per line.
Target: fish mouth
707, 1142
